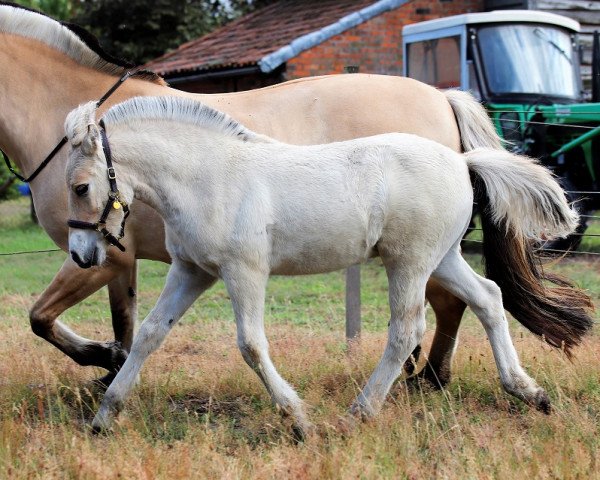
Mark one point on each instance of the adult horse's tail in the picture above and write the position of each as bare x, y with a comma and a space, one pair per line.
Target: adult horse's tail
476, 128
520, 201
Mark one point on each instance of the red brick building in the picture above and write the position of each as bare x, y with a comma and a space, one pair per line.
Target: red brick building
290, 39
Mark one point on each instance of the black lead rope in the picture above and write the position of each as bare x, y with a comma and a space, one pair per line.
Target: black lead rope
114, 200
63, 140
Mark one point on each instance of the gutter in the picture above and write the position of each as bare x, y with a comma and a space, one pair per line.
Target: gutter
270, 62
219, 74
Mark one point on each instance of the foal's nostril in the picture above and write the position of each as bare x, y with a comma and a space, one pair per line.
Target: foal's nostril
77, 259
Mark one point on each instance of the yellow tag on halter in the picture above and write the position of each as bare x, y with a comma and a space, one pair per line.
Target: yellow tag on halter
116, 204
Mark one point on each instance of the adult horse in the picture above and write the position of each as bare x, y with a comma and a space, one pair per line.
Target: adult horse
240, 207
49, 68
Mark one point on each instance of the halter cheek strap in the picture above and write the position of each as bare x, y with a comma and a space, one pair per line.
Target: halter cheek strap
114, 201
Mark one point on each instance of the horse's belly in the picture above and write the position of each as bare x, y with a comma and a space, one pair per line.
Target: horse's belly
301, 257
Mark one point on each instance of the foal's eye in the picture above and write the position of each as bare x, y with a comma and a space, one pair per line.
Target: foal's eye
82, 189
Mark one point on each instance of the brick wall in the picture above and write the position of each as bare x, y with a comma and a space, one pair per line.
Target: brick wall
375, 45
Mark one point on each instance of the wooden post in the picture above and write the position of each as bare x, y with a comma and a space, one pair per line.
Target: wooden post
353, 303
353, 322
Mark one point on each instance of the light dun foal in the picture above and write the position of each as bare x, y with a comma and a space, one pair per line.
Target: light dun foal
240, 206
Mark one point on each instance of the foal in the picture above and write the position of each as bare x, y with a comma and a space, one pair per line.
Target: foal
240, 206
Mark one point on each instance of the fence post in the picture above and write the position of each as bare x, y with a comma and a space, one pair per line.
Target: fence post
353, 303
353, 321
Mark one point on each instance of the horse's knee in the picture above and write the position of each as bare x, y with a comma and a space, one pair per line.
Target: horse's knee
250, 352
41, 323
487, 303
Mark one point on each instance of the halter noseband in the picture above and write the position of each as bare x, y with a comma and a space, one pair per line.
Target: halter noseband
114, 201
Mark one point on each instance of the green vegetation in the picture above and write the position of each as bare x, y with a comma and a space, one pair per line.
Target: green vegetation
200, 412
140, 31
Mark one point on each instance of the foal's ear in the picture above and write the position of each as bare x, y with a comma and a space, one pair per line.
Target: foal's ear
89, 145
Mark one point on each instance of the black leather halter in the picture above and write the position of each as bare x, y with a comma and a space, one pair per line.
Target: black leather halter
63, 140
114, 201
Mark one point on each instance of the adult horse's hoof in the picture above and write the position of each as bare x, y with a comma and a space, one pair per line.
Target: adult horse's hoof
428, 378
410, 366
118, 355
102, 383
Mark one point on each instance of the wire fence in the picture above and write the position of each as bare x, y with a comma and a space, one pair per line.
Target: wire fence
576, 194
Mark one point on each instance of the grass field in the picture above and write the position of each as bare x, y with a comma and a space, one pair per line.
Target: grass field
200, 412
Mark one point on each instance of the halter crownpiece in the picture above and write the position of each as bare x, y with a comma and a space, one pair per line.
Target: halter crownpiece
114, 200
63, 141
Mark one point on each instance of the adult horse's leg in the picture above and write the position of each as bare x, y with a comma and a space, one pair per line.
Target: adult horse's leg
184, 284
123, 305
246, 286
71, 285
406, 329
485, 298
123, 308
449, 311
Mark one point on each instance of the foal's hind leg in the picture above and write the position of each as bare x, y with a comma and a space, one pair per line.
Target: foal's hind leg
246, 287
485, 299
406, 329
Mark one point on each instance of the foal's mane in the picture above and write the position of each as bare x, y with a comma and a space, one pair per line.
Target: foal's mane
178, 109
68, 38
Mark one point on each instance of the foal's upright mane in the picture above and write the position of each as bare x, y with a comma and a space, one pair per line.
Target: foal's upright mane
68, 38
178, 109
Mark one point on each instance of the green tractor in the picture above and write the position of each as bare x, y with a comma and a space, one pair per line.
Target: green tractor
525, 67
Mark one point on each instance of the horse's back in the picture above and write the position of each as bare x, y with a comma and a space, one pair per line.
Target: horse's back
333, 203
342, 107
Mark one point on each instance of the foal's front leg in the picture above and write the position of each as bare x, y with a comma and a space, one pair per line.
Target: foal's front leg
184, 284
246, 286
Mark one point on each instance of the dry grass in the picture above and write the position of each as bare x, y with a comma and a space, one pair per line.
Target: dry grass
200, 412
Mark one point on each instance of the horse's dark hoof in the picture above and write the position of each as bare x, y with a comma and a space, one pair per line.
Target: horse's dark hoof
410, 366
97, 431
104, 382
118, 356
428, 379
542, 403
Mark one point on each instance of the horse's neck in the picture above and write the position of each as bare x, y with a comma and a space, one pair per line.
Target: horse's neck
166, 172
37, 92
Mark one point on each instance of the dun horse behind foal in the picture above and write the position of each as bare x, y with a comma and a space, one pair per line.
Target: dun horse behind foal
241, 206
51, 67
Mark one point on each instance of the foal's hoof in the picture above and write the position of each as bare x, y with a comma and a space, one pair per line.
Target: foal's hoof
542, 402
303, 433
346, 425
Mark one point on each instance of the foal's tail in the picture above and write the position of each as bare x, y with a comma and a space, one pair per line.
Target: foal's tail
476, 128
520, 201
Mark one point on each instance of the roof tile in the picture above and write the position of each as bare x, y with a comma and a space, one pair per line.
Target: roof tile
245, 41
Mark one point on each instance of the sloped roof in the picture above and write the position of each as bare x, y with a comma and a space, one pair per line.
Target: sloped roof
269, 36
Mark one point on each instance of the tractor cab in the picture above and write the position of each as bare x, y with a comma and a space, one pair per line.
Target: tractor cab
524, 66
508, 56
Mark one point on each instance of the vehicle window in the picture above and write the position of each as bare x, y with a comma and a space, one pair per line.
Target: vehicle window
528, 59
436, 62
